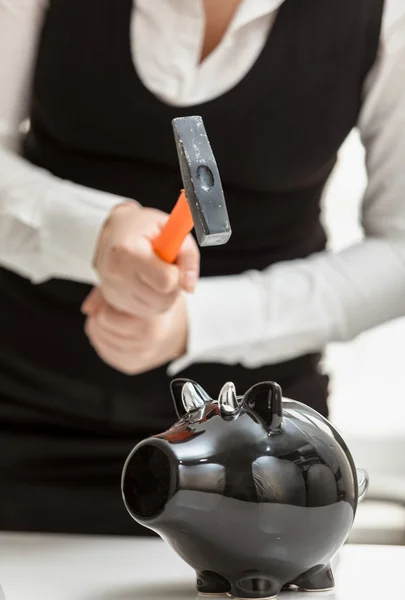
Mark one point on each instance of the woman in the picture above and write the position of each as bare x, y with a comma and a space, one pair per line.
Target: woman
86, 187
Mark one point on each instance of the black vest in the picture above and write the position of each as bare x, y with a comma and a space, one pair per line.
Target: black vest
275, 136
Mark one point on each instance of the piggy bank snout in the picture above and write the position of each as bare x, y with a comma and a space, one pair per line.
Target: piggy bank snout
148, 480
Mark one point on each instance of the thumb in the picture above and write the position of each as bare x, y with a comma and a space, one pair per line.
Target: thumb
188, 261
92, 303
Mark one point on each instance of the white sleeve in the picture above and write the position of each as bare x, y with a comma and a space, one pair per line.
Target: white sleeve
297, 307
48, 227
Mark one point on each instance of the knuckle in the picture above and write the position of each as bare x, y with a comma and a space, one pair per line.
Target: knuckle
119, 249
117, 255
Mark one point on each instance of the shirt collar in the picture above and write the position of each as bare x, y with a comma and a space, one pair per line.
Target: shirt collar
250, 10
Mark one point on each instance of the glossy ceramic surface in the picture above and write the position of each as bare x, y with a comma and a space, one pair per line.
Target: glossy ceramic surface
256, 493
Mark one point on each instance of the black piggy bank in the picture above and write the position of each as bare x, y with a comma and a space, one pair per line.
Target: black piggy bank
256, 493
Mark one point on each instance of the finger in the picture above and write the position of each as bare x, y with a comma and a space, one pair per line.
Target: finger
100, 339
117, 323
188, 262
115, 356
123, 366
155, 303
119, 299
143, 263
123, 326
137, 341
162, 277
137, 300
116, 360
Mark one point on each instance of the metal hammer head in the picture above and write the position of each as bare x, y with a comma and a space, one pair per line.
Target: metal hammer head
201, 180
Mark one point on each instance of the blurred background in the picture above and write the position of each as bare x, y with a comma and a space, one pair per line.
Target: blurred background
368, 377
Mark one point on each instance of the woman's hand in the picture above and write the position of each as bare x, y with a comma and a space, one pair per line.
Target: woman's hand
131, 344
133, 280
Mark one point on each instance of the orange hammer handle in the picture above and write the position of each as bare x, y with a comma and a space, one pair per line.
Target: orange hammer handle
173, 234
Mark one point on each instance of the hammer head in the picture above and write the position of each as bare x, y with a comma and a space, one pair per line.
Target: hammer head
201, 181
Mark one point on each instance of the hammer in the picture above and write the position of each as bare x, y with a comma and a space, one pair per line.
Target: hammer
201, 203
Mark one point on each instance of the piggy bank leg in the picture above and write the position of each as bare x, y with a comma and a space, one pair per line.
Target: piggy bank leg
255, 586
321, 580
212, 584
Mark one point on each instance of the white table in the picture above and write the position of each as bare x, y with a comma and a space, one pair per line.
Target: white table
80, 568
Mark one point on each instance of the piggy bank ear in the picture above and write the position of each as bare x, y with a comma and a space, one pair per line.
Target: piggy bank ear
266, 400
228, 400
188, 396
